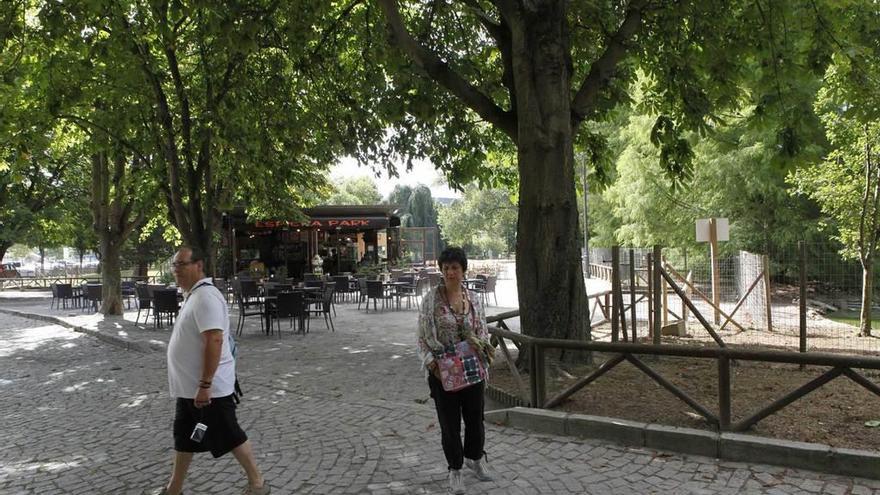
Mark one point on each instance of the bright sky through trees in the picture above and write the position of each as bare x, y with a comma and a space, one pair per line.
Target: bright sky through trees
422, 173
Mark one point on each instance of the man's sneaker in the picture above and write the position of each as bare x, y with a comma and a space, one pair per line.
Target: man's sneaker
263, 490
481, 471
456, 484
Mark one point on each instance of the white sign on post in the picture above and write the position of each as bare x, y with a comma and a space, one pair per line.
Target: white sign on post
722, 229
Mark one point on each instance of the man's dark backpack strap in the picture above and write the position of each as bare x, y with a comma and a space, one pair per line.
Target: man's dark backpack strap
237, 394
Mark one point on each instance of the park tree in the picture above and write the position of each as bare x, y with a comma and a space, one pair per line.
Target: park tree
416, 205
738, 172
400, 195
146, 246
525, 76
481, 221
35, 153
223, 115
32, 173
77, 229
79, 80
846, 184
45, 234
118, 210
360, 190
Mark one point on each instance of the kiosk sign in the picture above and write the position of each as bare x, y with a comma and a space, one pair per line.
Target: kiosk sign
330, 223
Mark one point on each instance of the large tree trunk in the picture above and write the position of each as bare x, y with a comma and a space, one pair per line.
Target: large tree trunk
111, 275
867, 298
4, 246
112, 212
550, 280
42, 251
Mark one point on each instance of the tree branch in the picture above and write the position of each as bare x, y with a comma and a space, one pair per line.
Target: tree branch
172, 160
161, 12
500, 32
332, 28
603, 69
85, 124
441, 73
226, 83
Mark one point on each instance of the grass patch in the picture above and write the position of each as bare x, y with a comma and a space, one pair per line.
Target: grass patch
852, 318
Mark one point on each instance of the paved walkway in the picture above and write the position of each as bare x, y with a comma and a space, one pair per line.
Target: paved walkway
343, 412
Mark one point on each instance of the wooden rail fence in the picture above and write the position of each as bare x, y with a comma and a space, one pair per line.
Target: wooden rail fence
535, 392
46, 282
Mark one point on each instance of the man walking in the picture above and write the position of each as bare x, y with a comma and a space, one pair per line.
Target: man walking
201, 376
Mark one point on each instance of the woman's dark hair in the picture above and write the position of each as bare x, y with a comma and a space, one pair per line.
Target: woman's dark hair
453, 254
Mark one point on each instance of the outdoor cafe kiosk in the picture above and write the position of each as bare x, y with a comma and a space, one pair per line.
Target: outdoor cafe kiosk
343, 237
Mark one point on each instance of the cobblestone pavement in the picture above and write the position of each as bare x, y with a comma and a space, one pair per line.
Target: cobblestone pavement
343, 412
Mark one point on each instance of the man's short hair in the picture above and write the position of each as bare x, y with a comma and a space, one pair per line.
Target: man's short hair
453, 254
196, 254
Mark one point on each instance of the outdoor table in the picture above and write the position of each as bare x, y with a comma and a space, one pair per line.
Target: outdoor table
269, 302
154, 287
473, 283
390, 286
390, 289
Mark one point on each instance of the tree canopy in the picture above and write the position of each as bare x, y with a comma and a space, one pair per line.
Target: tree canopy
247, 102
483, 222
525, 77
416, 205
360, 190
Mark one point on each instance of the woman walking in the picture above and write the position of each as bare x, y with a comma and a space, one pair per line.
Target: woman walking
451, 314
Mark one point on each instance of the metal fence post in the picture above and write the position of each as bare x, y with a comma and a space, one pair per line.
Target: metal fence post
649, 283
615, 288
655, 258
632, 293
802, 306
765, 262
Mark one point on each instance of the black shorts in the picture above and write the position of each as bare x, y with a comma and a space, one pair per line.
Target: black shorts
223, 432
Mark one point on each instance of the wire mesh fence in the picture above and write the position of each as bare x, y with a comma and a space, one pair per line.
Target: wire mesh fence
747, 299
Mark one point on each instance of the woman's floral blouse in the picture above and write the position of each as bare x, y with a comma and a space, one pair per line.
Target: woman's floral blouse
438, 327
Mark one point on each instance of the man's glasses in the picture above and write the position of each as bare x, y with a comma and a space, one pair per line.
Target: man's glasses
181, 264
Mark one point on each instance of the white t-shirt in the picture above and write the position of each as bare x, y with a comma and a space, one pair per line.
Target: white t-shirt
203, 309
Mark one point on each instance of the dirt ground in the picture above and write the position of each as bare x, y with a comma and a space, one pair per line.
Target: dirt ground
835, 414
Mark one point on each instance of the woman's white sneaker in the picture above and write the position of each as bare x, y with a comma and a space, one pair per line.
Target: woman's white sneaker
481, 471
456, 484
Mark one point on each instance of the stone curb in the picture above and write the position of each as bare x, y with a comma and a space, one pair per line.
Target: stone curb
127, 344
729, 446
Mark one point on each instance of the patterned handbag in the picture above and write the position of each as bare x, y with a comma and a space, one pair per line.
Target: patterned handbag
460, 367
